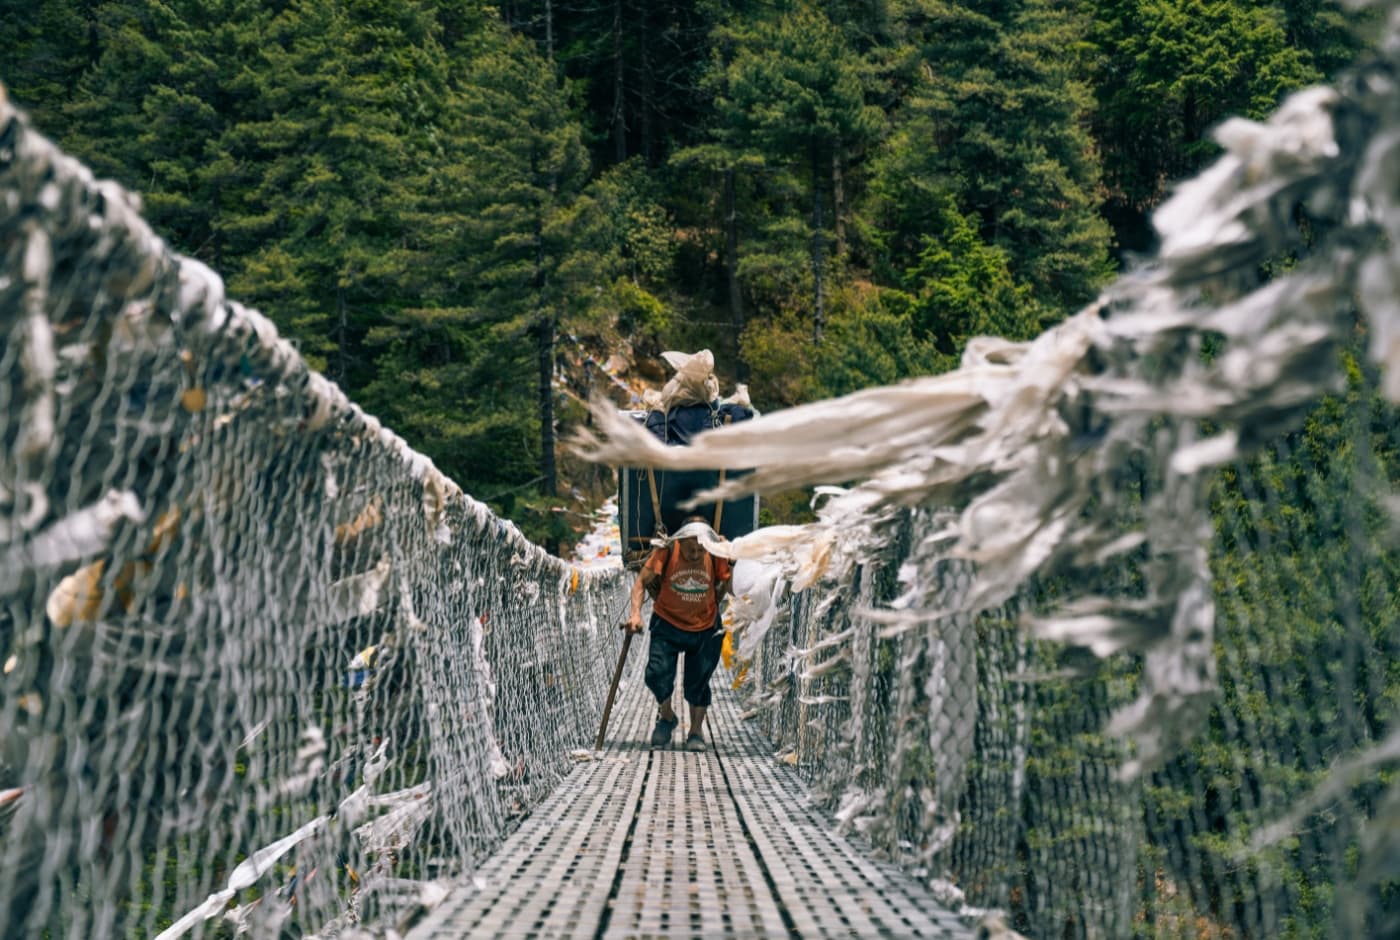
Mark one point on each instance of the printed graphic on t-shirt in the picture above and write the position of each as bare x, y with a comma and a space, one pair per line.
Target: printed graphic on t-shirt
691, 585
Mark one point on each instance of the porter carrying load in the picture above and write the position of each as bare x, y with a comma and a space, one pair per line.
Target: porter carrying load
650, 501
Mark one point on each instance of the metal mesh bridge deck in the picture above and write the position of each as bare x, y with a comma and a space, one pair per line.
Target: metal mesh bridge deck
642, 843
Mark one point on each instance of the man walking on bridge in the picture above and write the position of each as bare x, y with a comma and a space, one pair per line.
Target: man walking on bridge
686, 584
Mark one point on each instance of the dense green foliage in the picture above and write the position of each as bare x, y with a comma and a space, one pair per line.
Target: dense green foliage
447, 203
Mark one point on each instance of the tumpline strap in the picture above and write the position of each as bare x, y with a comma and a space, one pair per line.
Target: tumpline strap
719, 506
655, 502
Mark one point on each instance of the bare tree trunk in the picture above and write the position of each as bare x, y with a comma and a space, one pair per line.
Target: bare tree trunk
549, 30
838, 200
545, 328
731, 263
618, 122
549, 475
648, 147
217, 235
342, 336
819, 298
544, 360
544, 350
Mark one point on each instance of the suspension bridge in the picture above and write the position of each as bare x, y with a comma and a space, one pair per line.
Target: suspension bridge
1103, 642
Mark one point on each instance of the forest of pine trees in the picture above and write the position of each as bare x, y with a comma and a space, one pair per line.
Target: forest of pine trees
441, 200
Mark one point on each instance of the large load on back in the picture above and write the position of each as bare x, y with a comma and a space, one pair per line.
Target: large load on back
650, 501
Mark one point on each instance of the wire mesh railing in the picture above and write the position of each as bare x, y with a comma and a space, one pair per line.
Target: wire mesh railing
264, 668
978, 755
1104, 634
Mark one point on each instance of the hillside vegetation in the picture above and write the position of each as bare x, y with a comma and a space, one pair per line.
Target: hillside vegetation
448, 203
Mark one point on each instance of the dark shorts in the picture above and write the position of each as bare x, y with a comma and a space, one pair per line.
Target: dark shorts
701, 657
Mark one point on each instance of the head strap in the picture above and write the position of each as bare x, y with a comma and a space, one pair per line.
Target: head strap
695, 530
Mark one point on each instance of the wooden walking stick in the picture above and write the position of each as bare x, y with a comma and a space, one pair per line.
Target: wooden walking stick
612, 691
627, 638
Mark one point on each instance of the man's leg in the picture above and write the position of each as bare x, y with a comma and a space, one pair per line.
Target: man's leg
699, 667
661, 680
697, 719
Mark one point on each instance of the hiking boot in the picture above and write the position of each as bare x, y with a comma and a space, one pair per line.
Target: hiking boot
661, 734
695, 743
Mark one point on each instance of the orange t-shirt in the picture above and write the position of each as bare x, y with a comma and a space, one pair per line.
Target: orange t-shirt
687, 597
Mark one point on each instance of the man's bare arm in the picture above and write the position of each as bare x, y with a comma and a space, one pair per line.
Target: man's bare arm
651, 582
648, 582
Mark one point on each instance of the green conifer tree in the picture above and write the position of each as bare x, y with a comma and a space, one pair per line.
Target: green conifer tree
997, 116
152, 107
503, 263
794, 95
48, 45
1167, 71
345, 99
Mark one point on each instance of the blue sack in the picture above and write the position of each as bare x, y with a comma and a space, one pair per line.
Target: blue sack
636, 513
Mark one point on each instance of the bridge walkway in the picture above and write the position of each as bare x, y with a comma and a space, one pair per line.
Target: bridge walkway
640, 843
